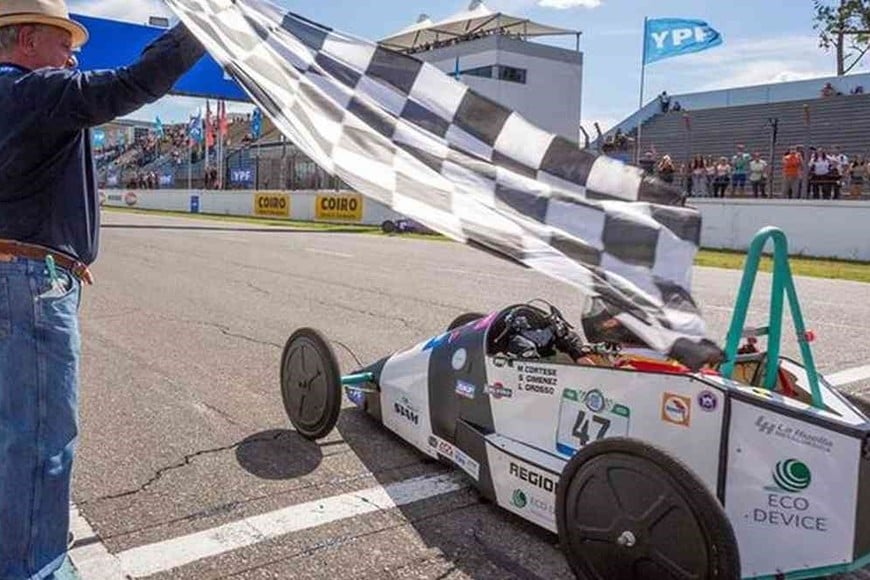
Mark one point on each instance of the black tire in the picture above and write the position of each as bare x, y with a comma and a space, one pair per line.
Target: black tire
388, 227
464, 319
626, 509
310, 383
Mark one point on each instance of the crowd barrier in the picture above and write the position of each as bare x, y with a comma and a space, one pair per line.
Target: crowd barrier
823, 229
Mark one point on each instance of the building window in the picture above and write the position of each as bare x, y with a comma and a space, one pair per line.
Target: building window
483, 71
511, 74
503, 73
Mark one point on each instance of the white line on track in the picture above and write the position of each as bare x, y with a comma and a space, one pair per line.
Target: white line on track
89, 556
850, 376
170, 554
328, 253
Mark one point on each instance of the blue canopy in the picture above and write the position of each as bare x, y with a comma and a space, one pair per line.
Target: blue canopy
114, 44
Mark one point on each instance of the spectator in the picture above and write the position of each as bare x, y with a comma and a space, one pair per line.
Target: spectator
648, 163
710, 164
665, 102
792, 167
739, 167
856, 174
828, 90
820, 169
699, 177
666, 169
677, 106
758, 175
806, 157
723, 177
840, 163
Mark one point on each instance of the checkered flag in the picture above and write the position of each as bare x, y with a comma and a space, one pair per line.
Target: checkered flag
409, 136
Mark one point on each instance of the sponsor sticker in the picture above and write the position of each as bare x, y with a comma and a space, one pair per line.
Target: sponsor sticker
676, 410
498, 391
131, 199
468, 465
356, 397
460, 357
784, 505
464, 389
773, 427
404, 408
708, 401
500, 362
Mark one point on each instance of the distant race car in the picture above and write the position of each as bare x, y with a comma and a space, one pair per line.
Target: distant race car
643, 467
404, 226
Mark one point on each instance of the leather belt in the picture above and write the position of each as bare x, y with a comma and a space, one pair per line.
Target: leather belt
34, 252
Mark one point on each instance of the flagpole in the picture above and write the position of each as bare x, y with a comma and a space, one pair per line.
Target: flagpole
640, 105
189, 162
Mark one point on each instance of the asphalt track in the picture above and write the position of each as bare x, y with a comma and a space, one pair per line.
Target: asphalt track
183, 430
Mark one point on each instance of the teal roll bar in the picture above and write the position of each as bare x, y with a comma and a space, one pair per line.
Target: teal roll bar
359, 379
783, 284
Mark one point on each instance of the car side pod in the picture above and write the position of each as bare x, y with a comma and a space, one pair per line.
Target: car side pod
627, 509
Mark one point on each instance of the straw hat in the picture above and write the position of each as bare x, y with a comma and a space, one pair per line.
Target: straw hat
50, 12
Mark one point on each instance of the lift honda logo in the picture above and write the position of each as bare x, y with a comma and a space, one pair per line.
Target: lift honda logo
799, 433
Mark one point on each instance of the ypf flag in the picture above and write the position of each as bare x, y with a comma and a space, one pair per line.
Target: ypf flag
401, 132
669, 37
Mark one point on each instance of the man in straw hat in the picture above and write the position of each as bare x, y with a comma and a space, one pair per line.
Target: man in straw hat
49, 234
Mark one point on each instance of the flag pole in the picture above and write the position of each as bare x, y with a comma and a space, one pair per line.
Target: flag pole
640, 105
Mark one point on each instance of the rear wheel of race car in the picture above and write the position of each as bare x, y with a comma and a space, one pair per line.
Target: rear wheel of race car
310, 383
388, 227
464, 319
626, 509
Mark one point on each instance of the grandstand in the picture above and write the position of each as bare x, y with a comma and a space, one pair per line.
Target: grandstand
711, 124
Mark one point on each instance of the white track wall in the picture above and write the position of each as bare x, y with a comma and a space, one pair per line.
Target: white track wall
825, 229
821, 229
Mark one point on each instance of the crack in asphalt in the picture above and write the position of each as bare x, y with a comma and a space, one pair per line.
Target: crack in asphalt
377, 315
225, 330
227, 507
258, 289
183, 463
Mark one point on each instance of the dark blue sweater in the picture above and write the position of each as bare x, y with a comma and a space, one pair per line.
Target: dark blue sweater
48, 188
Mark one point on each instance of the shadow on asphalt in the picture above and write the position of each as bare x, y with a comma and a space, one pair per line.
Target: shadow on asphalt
480, 540
278, 454
272, 230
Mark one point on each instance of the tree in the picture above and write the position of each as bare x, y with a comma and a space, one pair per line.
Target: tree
835, 22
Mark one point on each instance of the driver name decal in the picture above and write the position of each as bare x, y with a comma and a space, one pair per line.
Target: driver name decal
537, 379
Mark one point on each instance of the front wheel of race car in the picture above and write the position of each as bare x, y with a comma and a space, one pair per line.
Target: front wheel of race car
310, 383
626, 509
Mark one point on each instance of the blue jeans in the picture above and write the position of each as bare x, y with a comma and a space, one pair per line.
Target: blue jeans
40, 349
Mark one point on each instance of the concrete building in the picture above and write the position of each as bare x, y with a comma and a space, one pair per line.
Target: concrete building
493, 54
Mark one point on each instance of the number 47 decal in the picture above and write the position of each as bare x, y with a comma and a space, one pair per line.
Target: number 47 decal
581, 427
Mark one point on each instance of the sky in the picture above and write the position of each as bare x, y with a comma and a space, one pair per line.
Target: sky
764, 41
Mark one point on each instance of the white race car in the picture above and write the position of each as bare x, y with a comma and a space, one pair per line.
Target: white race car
643, 467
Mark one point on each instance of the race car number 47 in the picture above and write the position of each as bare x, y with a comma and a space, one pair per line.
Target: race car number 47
588, 416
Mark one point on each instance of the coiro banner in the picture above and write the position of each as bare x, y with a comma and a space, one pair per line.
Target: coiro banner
346, 208
272, 205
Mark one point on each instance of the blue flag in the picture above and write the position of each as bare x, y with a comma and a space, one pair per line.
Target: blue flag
669, 37
158, 128
256, 123
98, 138
194, 128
